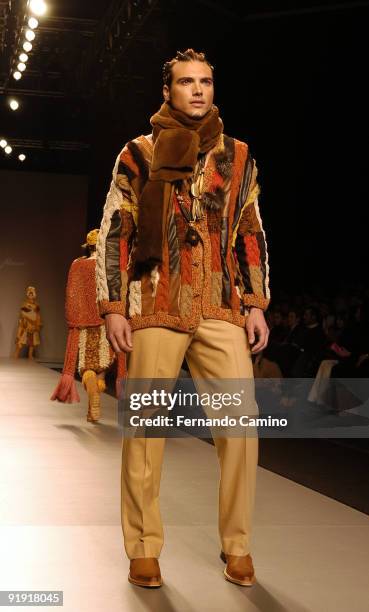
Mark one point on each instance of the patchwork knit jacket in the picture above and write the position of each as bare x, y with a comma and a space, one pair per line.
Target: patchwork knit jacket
221, 277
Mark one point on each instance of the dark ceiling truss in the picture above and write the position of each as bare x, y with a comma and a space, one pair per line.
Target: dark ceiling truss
47, 93
60, 42
85, 27
3, 19
248, 16
13, 19
119, 27
74, 56
53, 93
51, 145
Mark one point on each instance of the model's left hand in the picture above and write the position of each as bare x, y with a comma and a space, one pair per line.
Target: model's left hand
256, 325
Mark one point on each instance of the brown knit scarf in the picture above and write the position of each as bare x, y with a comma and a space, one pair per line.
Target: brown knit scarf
178, 140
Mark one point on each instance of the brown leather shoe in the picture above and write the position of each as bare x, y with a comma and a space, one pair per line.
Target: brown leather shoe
145, 572
239, 570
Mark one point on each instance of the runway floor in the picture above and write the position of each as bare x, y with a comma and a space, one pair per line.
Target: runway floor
60, 519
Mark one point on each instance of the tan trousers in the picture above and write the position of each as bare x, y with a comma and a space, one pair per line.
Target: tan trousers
217, 349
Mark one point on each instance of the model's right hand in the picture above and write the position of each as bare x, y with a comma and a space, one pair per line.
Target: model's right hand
118, 332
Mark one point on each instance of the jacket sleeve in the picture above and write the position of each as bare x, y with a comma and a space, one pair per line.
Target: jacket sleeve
249, 243
115, 239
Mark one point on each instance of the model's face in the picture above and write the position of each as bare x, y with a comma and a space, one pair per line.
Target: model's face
292, 319
192, 88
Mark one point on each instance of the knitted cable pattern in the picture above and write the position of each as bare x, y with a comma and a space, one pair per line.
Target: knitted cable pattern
114, 201
135, 305
104, 351
82, 350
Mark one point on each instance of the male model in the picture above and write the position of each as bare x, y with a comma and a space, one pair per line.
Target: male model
182, 263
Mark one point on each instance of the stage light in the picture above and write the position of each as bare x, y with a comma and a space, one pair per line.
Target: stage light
30, 35
21, 157
32, 23
38, 7
23, 57
21, 67
8, 150
14, 104
27, 46
17, 75
3, 143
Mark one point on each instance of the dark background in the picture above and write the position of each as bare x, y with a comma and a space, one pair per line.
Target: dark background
290, 80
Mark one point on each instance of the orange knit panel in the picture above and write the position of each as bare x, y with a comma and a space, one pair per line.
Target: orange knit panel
80, 300
217, 181
123, 254
186, 265
216, 264
71, 351
252, 250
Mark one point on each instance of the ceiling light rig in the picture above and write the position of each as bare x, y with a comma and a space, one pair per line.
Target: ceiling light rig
8, 150
30, 35
35, 7
38, 8
32, 23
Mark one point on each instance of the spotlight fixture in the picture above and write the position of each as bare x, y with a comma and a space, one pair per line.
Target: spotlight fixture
3, 143
30, 35
32, 23
23, 57
21, 157
38, 7
17, 75
27, 46
21, 67
14, 104
8, 150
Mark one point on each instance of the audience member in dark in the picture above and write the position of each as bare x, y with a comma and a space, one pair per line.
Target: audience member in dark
279, 330
326, 316
314, 344
268, 377
354, 345
296, 331
289, 351
334, 326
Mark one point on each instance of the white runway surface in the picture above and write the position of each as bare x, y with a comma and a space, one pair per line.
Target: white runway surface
60, 519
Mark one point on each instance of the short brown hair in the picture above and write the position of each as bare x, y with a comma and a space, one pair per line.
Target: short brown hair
183, 56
